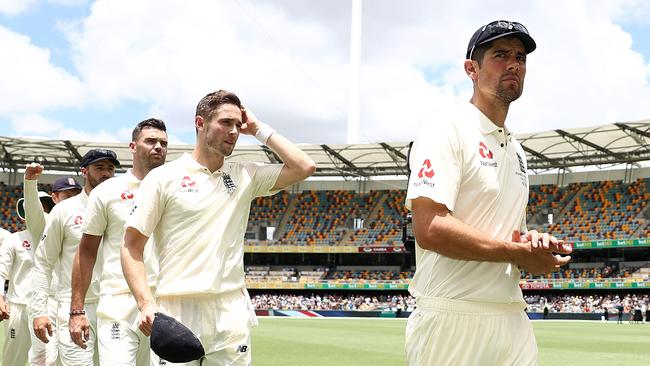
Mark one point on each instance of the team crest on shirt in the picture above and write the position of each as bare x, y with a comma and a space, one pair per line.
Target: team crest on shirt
522, 171
27, 245
425, 174
78, 220
188, 185
486, 155
127, 195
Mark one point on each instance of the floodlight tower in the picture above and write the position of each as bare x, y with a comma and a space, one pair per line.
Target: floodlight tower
355, 65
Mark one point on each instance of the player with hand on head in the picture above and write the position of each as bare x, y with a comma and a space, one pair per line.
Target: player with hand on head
468, 192
109, 205
196, 208
59, 244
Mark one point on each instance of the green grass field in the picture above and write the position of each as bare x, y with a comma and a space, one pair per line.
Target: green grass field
379, 342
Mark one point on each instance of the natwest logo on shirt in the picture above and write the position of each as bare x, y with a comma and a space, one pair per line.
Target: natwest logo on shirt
127, 195
426, 170
27, 245
484, 151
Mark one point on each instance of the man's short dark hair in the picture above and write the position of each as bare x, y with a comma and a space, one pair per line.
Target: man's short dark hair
209, 104
148, 123
479, 52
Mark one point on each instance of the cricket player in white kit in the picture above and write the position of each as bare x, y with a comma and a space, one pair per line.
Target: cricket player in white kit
59, 243
196, 208
109, 205
16, 264
36, 217
468, 192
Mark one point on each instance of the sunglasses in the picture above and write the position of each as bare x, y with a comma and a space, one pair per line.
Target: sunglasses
495, 28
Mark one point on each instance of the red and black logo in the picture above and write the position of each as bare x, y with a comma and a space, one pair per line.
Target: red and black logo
78, 220
484, 151
127, 195
426, 170
27, 245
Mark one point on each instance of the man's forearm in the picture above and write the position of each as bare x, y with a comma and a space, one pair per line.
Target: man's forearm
40, 288
454, 239
34, 214
297, 164
82, 269
131, 257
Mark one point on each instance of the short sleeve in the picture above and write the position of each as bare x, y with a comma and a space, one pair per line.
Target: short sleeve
436, 165
95, 220
264, 178
149, 205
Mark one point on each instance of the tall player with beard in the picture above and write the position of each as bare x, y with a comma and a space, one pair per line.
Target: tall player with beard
108, 208
468, 192
59, 243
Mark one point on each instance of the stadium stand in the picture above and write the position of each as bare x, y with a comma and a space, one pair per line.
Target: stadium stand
330, 238
604, 210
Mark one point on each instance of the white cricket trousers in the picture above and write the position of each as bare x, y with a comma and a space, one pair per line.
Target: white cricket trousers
121, 343
18, 339
45, 354
221, 321
69, 353
465, 333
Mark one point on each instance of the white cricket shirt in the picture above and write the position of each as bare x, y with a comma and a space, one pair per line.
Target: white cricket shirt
109, 205
36, 219
16, 263
59, 243
197, 224
478, 170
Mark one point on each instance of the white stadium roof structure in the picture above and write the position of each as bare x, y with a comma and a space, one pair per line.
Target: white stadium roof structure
598, 147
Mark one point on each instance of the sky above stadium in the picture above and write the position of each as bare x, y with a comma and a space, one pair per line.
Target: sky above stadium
90, 70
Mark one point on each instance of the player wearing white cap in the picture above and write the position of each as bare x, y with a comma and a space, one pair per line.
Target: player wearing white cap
16, 264
109, 205
59, 243
196, 208
468, 192
40, 353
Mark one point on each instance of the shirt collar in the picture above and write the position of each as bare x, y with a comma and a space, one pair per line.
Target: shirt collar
189, 162
130, 177
83, 197
486, 125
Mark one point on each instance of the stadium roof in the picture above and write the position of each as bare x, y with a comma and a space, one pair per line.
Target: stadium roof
599, 147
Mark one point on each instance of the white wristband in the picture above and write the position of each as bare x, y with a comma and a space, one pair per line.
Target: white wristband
264, 132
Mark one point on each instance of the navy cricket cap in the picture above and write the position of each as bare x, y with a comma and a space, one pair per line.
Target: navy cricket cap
95, 155
174, 342
65, 184
497, 29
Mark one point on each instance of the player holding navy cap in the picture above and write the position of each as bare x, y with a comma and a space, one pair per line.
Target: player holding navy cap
468, 192
59, 244
109, 205
196, 208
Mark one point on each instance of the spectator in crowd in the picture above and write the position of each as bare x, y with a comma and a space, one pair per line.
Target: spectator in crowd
620, 313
